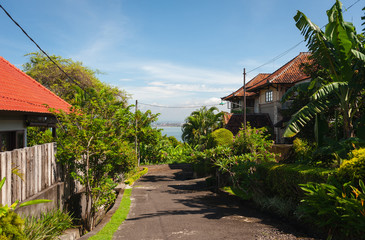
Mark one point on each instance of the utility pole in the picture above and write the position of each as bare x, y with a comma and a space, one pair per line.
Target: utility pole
136, 129
244, 98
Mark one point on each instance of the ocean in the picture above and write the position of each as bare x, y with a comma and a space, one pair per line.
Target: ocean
172, 131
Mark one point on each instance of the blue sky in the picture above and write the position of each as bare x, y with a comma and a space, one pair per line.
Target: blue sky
174, 53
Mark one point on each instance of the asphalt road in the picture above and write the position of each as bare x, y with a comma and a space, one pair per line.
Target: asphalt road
168, 203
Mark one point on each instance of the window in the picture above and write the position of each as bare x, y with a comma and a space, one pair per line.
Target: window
11, 140
268, 96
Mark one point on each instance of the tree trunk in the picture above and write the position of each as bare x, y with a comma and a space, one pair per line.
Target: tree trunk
347, 124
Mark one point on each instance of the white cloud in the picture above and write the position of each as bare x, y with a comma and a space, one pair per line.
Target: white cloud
179, 73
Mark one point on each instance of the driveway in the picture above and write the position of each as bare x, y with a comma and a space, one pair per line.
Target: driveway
168, 203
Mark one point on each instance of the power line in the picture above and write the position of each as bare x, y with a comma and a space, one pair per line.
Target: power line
31, 39
161, 106
296, 45
277, 57
346, 9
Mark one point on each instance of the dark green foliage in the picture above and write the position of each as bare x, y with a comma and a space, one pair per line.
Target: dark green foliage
11, 226
339, 51
255, 141
37, 136
283, 179
338, 209
353, 169
302, 151
48, 225
249, 148
221, 137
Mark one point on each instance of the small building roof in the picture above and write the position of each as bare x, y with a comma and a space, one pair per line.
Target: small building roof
240, 92
233, 122
289, 73
19, 92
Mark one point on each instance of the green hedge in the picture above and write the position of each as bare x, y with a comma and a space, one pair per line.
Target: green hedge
283, 179
136, 176
353, 169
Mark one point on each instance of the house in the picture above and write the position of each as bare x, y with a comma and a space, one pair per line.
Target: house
263, 95
23, 102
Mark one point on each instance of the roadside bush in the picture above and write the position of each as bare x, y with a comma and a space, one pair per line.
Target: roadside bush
48, 226
302, 151
338, 209
221, 137
136, 176
283, 179
203, 162
353, 169
254, 141
11, 226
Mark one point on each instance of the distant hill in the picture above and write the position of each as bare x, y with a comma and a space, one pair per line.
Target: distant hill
167, 124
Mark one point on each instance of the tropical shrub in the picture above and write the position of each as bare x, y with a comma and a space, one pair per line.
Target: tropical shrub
11, 224
203, 162
199, 125
338, 209
136, 176
241, 170
302, 150
221, 137
353, 169
48, 225
283, 179
254, 141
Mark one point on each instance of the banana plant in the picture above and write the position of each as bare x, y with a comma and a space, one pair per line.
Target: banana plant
339, 50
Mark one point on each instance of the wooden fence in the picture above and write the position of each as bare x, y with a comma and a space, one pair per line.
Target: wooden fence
38, 168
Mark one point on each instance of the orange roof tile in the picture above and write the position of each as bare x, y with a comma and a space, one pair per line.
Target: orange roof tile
287, 74
20, 92
251, 83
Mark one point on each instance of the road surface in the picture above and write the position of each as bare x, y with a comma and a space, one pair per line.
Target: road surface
168, 203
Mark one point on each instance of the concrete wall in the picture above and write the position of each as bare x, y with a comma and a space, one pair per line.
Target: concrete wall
54, 193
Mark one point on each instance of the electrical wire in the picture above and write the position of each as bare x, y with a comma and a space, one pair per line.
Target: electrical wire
161, 106
31, 39
346, 9
277, 57
296, 45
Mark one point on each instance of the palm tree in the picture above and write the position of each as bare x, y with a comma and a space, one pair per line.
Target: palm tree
200, 124
339, 51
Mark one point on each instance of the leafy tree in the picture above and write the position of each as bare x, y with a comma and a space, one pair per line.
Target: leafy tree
339, 51
93, 154
200, 124
48, 74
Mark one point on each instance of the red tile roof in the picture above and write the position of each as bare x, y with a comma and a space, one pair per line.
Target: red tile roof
251, 83
289, 73
19, 92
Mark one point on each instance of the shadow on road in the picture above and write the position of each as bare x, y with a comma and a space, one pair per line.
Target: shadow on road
192, 196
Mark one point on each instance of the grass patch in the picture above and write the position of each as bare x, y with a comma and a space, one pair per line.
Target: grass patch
118, 217
136, 176
48, 225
